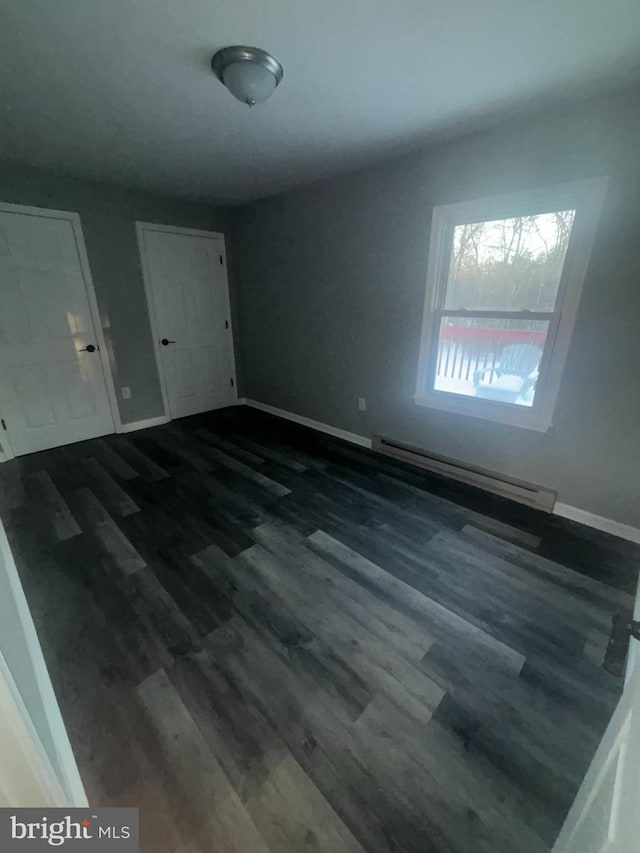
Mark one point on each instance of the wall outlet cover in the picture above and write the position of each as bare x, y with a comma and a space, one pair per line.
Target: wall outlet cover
362, 404
126, 392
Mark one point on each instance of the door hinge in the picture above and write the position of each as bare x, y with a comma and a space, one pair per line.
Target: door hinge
221, 261
226, 324
4, 426
622, 630
231, 380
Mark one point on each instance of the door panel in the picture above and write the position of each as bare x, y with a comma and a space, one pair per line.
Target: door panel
51, 392
182, 367
213, 371
33, 396
188, 288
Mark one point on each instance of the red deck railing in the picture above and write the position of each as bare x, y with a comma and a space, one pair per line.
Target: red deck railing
464, 349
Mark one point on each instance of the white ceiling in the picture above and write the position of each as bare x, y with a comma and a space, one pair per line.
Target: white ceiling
121, 90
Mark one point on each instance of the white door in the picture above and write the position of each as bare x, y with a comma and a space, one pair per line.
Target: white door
185, 273
605, 817
52, 382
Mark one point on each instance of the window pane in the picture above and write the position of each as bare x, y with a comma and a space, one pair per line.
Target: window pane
509, 264
490, 359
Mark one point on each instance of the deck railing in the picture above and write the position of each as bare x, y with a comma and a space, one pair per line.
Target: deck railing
464, 349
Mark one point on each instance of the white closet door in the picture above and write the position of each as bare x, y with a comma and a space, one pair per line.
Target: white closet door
52, 388
187, 282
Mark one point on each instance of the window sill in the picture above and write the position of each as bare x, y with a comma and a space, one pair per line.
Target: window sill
508, 415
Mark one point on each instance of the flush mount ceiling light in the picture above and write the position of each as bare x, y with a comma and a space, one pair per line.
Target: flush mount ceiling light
250, 74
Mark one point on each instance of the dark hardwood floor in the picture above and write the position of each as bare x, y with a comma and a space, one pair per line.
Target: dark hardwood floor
273, 642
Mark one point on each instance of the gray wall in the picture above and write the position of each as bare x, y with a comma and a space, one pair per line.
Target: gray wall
108, 222
330, 285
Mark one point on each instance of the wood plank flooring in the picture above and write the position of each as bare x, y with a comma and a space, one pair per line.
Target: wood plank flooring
274, 642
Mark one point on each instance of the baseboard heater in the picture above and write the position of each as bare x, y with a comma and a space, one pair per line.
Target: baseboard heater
517, 490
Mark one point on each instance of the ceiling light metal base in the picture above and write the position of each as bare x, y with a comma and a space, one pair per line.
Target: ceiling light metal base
241, 53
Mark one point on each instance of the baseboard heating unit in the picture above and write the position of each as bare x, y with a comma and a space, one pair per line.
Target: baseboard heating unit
508, 487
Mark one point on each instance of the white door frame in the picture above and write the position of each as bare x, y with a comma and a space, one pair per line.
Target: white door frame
148, 289
26, 771
27, 777
76, 226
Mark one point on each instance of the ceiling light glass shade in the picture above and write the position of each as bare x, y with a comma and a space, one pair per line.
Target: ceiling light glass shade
248, 82
250, 74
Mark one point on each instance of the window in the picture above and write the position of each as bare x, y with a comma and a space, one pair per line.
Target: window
503, 287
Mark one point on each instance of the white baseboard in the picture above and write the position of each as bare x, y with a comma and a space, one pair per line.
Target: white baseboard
150, 422
599, 522
590, 519
353, 437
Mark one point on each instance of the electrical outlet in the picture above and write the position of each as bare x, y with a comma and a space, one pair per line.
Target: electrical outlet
126, 392
362, 404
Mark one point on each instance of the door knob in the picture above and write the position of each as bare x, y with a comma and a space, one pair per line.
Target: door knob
165, 342
88, 348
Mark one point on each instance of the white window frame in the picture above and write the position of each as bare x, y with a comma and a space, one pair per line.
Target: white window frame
586, 198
